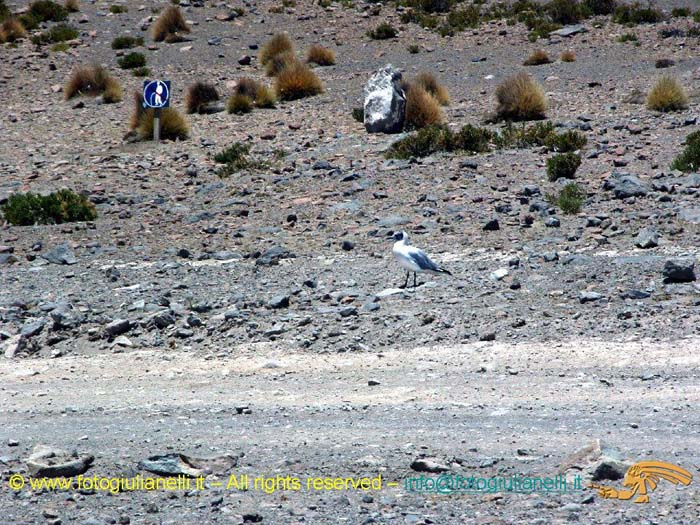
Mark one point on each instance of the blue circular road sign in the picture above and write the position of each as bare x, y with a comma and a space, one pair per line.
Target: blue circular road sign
156, 93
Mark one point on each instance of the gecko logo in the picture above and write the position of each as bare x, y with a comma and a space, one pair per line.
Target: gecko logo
642, 478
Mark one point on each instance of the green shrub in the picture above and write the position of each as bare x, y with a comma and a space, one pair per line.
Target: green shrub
680, 12
689, 159
628, 37
472, 139
565, 142
383, 31
4, 11
141, 72
48, 11
58, 33
126, 42
565, 12
437, 138
569, 200
524, 137
132, 61
358, 114
414, 49
118, 9
633, 14
234, 158
29, 22
61, 47
24, 209
562, 166
600, 7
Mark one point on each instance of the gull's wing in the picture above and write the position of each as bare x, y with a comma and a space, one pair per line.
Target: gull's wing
422, 260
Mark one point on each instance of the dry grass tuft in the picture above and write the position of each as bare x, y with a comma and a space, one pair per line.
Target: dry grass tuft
277, 63
169, 24
428, 82
92, 81
320, 55
73, 6
239, 104
520, 97
198, 94
173, 125
248, 87
11, 30
265, 98
296, 81
278, 44
537, 58
422, 109
568, 56
667, 95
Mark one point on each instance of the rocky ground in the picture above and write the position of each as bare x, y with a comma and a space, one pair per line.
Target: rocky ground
190, 274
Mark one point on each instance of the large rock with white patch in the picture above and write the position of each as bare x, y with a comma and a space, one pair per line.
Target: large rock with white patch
385, 101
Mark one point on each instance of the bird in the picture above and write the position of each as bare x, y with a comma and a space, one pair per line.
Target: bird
413, 259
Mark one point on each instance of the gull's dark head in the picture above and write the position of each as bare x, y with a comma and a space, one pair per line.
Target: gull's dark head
400, 236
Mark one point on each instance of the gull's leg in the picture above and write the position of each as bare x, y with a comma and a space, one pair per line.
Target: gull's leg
405, 284
414, 281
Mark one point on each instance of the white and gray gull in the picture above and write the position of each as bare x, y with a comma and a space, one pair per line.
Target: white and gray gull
413, 259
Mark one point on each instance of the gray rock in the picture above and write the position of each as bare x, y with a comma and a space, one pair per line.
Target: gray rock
589, 297
624, 185
163, 319
552, 222
691, 215
117, 327
279, 301
14, 345
8, 258
273, 256
34, 328
595, 462
49, 462
491, 225
571, 30
385, 101
647, 238
428, 465
61, 254
176, 464
679, 271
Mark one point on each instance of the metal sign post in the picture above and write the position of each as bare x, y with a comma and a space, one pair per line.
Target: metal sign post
156, 95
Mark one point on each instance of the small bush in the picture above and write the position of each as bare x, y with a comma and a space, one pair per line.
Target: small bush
628, 37
47, 11
569, 200
600, 7
562, 166
72, 6
519, 97
414, 49
169, 24
126, 42
25, 209
680, 12
428, 82
279, 62
239, 104
199, 94
29, 22
633, 14
472, 139
422, 109
11, 30
61, 47
663, 63
173, 125
58, 33
235, 158
5, 12
565, 142
565, 12
297, 81
568, 56
132, 61
118, 9
383, 31
689, 159
537, 58
523, 137
141, 72
425, 142
278, 44
92, 81
667, 95
359, 114
265, 98
320, 55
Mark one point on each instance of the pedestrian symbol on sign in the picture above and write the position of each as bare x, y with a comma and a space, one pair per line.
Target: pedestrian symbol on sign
156, 94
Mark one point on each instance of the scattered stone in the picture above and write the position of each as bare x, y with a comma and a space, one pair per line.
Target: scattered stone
177, 464
428, 465
61, 254
589, 297
491, 225
49, 462
273, 256
571, 30
679, 271
117, 327
625, 185
279, 301
647, 238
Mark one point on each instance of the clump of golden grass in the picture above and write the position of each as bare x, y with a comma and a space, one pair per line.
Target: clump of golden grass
256, 91
199, 94
320, 55
568, 56
520, 97
72, 6
173, 125
667, 95
238, 103
11, 30
279, 62
92, 81
537, 58
278, 44
169, 24
422, 109
296, 81
428, 82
